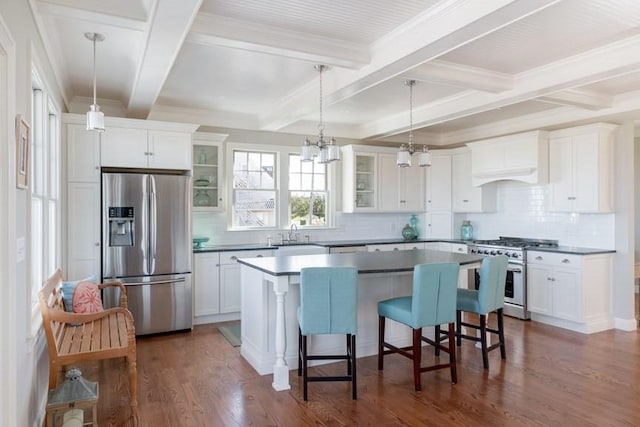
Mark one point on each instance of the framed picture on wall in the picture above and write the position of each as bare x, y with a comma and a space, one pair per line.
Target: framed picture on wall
22, 152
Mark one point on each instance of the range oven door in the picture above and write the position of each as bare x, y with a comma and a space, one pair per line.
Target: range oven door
514, 286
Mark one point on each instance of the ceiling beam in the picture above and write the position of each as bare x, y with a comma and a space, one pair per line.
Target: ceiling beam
589, 100
613, 60
169, 26
459, 75
107, 16
214, 30
447, 26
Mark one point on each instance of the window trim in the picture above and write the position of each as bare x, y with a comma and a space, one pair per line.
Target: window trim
282, 153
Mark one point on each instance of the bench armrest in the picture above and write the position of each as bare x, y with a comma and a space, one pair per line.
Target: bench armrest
123, 291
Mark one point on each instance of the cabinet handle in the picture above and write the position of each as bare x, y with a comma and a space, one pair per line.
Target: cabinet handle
465, 201
259, 256
234, 258
151, 153
539, 258
96, 244
566, 261
396, 249
428, 201
459, 249
377, 250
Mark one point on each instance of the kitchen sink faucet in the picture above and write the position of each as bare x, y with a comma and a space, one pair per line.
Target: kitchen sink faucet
292, 236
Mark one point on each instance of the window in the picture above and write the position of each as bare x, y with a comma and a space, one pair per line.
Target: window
254, 189
307, 192
45, 193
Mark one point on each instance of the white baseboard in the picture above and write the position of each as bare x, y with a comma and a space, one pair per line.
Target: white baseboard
625, 324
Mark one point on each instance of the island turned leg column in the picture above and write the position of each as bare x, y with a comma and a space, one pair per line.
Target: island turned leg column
280, 368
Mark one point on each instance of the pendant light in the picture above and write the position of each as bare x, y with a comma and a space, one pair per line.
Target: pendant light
328, 150
405, 152
95, 117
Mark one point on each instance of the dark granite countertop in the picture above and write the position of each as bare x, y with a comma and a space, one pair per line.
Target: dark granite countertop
323, 243
574, 250
365, 262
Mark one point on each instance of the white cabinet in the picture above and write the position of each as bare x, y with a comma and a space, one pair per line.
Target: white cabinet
439, 183
143, 148
206, 288
83, 153
207, 170
83, 230
467, 198
372, 181
570, 291
395, 246
401, 189
439, 225
581, 169
217, 284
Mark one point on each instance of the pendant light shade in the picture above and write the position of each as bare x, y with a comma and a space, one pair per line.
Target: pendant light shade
328, 150
95, 117
406, 151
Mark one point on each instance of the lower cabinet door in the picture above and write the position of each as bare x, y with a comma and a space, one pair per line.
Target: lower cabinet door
206, 289
567, 300
229, 288
539, 289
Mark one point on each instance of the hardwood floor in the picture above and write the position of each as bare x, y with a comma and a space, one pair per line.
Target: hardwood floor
551, 377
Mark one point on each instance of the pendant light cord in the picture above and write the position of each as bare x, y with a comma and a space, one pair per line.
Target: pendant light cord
411, 83
321, 125
94, 69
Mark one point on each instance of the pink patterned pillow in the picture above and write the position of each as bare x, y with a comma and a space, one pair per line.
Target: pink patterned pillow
86, 298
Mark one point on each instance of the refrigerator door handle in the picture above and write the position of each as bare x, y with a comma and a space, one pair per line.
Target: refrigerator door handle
153, 224
157, 282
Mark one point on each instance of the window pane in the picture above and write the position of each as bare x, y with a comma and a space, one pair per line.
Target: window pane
254, 208
306, 181
254, 161
319, 182
37, 249
294, 182
308, 208
254, 180
268, 160
239, 161
307, 167
267, 180
52, 238
54, 162
37, 143
294, 163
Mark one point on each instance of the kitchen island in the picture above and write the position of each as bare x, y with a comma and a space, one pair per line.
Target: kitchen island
270, 297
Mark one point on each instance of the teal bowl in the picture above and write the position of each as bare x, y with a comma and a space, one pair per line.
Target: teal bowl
198, 241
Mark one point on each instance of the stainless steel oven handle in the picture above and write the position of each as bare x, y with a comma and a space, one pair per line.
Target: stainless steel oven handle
514, 270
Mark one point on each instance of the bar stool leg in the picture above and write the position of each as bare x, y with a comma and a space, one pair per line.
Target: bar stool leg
380, 342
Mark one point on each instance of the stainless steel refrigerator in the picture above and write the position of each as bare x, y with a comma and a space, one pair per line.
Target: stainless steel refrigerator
146, 244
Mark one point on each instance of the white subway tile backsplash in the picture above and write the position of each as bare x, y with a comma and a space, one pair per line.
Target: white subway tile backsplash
522, 211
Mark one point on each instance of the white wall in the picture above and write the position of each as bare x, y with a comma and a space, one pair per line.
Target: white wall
29, 386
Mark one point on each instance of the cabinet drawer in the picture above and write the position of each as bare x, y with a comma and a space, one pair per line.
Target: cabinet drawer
231, 257
554, 259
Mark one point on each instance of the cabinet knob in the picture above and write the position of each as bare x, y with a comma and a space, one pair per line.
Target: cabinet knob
377, 250
566, 261
96, 244
465, 201
234, 258
539, 258
259, 256
396, 249
459, 249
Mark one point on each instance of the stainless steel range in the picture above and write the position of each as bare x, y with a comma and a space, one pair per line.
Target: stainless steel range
515, 294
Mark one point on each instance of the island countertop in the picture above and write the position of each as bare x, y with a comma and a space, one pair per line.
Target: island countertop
365, 262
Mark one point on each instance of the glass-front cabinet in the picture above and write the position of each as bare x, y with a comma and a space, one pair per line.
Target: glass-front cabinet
359, 175
207, 171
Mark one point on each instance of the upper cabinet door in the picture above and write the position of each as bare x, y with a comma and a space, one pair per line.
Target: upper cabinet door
439, 184
122, 147
389, 198
169, 150
411, 182
83, 154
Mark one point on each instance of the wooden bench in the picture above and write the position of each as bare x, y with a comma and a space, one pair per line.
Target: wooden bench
74, 337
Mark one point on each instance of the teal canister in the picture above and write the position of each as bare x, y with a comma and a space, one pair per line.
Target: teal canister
466, 230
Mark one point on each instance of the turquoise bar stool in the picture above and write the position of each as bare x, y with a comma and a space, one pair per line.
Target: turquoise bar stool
487, 299
433, 302
328, 305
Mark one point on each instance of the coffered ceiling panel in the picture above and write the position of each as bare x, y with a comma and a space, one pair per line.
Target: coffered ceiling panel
483, 67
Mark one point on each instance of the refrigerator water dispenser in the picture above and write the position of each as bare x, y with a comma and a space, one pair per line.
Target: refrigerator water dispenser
121, 228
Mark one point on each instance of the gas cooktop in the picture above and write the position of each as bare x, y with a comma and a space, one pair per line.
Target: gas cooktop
518, 242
